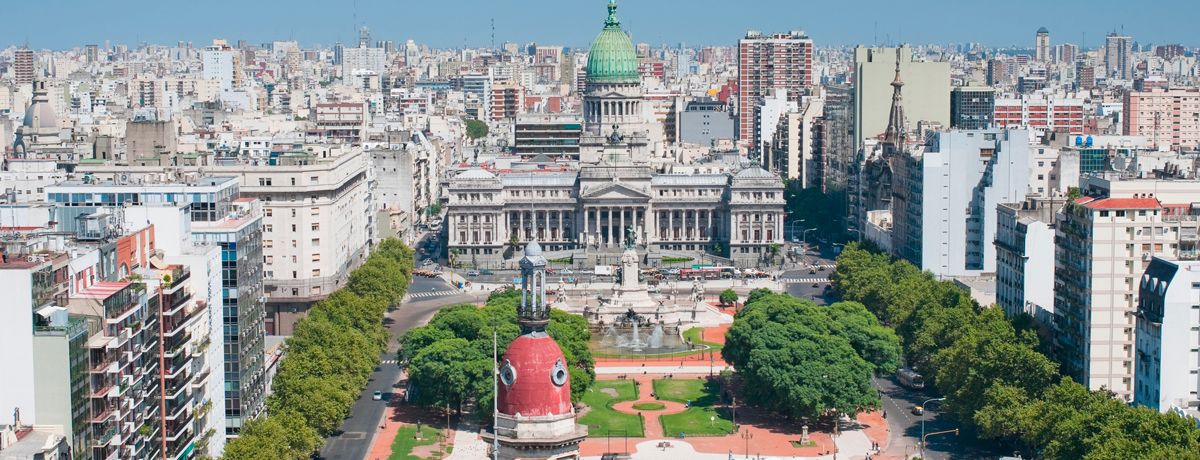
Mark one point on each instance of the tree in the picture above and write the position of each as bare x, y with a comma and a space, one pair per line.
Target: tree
728, 297
797, 360
476, 129
281, 435
873, 341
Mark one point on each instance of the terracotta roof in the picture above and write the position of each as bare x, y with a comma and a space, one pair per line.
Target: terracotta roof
1124, 203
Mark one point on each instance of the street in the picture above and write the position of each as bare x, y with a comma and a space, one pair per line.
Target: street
905, 427
426, 297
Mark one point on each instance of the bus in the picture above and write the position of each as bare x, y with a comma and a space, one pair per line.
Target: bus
910, 379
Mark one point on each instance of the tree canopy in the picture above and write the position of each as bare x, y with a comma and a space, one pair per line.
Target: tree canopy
804, 360
476, 129
995, 379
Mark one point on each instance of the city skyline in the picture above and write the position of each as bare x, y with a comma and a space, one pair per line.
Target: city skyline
570, 24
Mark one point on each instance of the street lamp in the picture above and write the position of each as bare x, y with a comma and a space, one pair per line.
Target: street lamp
923, 405
747, 435
792, 226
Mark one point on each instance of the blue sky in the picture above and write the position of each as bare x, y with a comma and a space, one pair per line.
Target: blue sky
59, 24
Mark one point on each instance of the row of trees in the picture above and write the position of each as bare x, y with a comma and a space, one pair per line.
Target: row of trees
329, 359
804, 360
449, 361
994, 374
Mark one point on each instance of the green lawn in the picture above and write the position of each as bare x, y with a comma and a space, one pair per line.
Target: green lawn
693, 335
702, 418
601, 419
698, 421
405, 441
649, 406
686, 390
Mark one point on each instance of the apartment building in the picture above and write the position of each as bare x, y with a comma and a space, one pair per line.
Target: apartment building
1040, 112
1167, 336
1103, 245
213, 211
317, 219
781, 61
1025, 257
945, 197
507, 100
340, 121
1170, 119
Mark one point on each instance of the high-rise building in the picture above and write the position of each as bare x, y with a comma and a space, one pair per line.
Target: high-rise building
1103, 244
1118, 56
952, 187
222, 63
23, 66
1168, 347
926, 90
1042, 53
1168, 118
781, 62
972, 107
93, 54
216, 215
1066, 53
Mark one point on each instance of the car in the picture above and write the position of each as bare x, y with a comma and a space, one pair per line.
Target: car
472, 272
377, 396
427, 263
816, 285
566, 271
918, 410
795, 240
486, 272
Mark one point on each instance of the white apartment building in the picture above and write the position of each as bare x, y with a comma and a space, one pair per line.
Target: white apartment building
1102, 248
1025, 257
1168, 337
944, 207
25, 180
223, 64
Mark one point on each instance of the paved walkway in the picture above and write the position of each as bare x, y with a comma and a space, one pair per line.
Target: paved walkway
660, 370
651, 425
467, 443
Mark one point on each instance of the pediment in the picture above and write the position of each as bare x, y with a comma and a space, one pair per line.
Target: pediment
614, 191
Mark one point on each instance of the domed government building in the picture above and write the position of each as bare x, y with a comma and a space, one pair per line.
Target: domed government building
717, 213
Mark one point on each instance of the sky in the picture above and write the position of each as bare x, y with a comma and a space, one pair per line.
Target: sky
62, 24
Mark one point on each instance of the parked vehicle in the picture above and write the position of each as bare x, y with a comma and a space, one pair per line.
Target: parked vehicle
377, 396
918, 410
472, 272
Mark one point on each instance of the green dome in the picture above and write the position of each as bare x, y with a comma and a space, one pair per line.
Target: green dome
612, 58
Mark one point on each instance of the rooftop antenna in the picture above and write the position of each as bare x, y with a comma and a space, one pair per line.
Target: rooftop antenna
493, 34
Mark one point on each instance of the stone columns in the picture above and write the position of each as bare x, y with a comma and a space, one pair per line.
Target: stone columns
622, 226
585, 232
671, 225
608, 243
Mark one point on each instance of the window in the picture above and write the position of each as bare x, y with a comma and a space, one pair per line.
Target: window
293, 181
293, 227
316, 242
268, 244
264, 182
293, 213
268, 228
315, 212
316, 257
316, 226
312, 179
269, 260
268, 212
294, 243
295, 275
316, 272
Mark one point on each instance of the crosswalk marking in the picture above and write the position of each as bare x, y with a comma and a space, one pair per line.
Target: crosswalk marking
388, 361
431, 294
804, 280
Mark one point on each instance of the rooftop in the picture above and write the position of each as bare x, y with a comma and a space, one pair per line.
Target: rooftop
1123, 203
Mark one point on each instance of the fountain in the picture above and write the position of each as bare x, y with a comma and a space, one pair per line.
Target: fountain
625, 336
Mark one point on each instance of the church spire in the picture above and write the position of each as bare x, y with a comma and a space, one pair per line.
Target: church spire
894, 135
